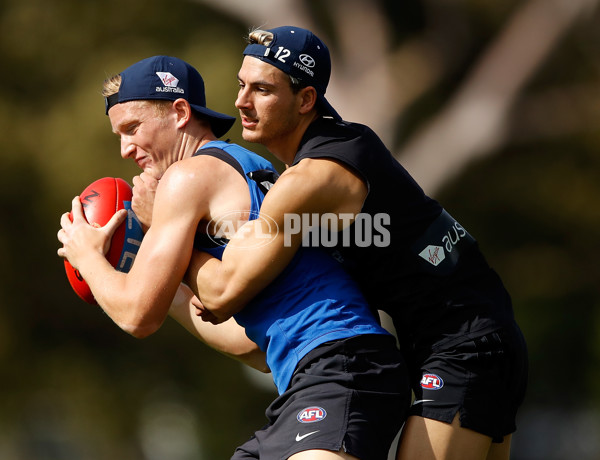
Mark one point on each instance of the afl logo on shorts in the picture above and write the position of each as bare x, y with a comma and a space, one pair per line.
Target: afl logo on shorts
311, 414
431, 382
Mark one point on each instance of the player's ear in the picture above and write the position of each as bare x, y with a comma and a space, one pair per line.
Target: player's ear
308, 99
183, 110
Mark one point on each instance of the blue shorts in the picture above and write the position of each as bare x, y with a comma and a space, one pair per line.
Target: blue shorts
350, 394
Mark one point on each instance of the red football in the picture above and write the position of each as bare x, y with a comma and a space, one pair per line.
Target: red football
101, 199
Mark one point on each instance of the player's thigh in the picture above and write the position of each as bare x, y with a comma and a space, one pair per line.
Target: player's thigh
428, 439
317, 454
501, 450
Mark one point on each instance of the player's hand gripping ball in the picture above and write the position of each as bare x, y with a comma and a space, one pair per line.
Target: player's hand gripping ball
101, 200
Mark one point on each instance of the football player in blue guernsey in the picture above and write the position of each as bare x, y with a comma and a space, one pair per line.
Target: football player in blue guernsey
466, 355
340, 376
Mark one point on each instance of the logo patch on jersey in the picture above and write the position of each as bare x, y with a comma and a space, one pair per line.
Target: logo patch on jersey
431, 382
433, 254
311, 414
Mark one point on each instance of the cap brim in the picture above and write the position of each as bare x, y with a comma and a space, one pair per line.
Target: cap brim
219, 122
327, 108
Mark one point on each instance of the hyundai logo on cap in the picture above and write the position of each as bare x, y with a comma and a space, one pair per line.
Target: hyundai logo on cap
307, 60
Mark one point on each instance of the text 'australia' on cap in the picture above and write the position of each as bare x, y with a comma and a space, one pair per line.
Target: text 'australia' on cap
168, 78
301, 54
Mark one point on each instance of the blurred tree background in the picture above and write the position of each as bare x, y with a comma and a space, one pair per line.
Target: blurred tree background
493, 106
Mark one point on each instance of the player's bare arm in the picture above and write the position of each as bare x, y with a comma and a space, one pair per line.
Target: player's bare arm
139, 300
228, 338
249, 264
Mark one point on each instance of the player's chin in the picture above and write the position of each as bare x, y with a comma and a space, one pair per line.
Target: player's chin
251, 135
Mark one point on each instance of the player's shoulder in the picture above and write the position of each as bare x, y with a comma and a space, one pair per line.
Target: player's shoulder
330, 138
326, 178
196, 174
314, 167
204, 166
308, 169
338, 130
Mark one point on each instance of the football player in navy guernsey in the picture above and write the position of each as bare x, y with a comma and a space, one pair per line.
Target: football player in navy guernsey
340, 376
454, 319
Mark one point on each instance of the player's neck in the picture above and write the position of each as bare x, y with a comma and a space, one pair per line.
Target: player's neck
285, 149
191, 143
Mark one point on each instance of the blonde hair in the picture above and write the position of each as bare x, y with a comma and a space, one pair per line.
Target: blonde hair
112, 84
261, 37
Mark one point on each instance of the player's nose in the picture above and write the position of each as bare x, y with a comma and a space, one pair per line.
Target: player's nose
242, 101
127, 147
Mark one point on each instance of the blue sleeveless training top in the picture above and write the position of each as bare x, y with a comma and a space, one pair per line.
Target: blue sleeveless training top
311, 302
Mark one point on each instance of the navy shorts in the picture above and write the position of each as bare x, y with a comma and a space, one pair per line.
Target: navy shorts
350, 394
482, 378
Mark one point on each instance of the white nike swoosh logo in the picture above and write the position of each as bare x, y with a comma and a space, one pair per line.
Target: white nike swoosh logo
419, 401
300, 438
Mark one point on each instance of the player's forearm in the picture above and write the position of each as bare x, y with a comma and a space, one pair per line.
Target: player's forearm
253, 258
228, 338
124, 302
213, 283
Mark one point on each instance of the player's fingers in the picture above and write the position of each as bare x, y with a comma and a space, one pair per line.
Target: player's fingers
140, 180
65, 224
207, 316
117, 219
196, 302
77, 209
200, 310
150, 181
65, 220
60, 235
111, 226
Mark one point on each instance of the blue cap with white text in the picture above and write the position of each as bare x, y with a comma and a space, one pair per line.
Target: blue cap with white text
168, 78
300, 54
